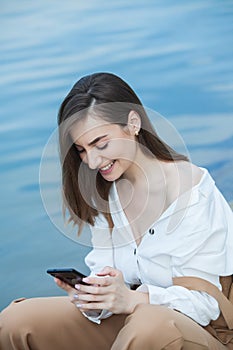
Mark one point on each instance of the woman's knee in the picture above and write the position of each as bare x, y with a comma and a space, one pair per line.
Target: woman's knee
39, 312
155, 318
151, 327
158, 327
12, 324
23, 322
11, 318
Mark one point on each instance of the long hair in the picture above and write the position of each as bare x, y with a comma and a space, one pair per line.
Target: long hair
85, 191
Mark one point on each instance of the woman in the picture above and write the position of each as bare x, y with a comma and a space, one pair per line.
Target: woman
154, 216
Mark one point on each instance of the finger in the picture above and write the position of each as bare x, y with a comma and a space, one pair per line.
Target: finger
92, 289
63, 285
85, 309
92, 306
93, 281
76, 298
87, 298
107, 270
79, 305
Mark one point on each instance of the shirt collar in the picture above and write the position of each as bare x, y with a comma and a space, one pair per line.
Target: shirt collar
186, 200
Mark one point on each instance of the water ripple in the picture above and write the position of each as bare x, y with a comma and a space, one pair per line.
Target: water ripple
178, 58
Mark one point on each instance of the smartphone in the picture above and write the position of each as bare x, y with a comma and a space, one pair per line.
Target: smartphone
68, 275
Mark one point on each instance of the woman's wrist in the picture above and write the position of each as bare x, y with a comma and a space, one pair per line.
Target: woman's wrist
136, 298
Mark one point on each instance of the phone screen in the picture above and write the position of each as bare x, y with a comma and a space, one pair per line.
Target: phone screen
68, 275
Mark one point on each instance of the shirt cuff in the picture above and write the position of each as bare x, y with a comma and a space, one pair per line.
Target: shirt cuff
156, 294
96, 316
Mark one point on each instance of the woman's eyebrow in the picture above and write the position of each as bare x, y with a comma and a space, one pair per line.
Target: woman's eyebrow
96, 140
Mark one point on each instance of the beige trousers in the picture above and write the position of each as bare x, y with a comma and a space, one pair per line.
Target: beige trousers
54, 323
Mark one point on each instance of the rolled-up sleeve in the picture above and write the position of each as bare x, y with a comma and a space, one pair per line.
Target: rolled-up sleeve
199, 306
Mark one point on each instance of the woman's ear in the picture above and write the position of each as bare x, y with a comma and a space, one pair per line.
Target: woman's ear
134, 123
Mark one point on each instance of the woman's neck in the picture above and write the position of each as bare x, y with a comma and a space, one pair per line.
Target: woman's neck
145, 172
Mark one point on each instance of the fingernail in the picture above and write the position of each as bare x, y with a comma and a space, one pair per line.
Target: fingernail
77, 286
75, 296
86, 279
78, 305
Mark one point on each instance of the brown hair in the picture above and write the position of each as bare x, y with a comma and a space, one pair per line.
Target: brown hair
85, 191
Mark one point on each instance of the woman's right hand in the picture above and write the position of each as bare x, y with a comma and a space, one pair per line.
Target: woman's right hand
74, 295
72, 292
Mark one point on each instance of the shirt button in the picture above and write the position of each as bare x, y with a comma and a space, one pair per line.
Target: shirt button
151, 231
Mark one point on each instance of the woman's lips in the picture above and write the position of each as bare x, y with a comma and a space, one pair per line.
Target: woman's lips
107, 168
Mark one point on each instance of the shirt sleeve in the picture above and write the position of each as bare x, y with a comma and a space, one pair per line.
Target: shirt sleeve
100, 256
199, 306
203, 253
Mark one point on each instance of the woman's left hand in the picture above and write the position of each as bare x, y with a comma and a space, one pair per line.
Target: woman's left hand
108, 291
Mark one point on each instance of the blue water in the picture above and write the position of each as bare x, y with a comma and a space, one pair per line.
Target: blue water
176, 54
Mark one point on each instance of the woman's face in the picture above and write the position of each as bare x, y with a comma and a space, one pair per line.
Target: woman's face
107, 147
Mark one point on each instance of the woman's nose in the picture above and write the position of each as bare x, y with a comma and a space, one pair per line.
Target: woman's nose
93, 159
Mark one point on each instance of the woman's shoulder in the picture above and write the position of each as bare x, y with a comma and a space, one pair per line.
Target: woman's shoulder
190, 173
181, 176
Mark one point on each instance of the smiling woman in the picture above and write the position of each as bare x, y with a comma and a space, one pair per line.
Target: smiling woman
102, 111
154, 217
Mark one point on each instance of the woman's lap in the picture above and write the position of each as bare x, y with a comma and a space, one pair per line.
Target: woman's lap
158, 327
55, 323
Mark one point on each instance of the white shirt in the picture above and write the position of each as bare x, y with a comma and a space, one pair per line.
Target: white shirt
193, 237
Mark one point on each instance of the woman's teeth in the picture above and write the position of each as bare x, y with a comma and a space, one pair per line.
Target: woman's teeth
106, 167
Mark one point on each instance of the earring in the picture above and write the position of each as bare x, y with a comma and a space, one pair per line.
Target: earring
136, 133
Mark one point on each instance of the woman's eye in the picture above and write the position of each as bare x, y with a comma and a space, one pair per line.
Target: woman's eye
79, 149
102, 145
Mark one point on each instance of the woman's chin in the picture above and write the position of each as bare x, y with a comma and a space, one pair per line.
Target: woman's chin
110, 178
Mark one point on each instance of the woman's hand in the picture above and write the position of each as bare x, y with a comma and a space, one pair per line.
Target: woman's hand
72, 292
108, 291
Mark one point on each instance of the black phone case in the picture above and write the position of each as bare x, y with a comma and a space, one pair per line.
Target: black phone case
67, 275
